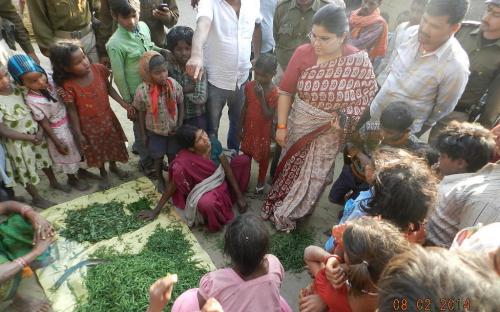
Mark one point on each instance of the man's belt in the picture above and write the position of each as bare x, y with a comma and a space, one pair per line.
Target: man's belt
78, 34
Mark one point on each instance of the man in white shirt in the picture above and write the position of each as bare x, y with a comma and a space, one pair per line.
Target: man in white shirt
416, 11
430, 69
464, 196
222, 43
267, 9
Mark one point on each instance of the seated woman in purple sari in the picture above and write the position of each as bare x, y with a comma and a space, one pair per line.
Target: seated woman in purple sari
330, 85
202, 183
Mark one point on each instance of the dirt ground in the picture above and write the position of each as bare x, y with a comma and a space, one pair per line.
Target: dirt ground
322, 219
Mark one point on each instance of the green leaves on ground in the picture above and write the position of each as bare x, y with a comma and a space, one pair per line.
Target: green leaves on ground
122, 284
143, 203
289, 248
103, 221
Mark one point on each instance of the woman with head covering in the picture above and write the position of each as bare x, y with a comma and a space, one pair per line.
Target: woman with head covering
203, 184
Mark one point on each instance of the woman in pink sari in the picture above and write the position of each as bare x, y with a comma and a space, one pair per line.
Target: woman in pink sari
330, 85
203, 184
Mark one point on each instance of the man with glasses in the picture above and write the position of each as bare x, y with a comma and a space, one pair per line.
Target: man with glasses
481, 41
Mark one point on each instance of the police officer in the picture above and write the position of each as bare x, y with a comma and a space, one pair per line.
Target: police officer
53, 20
292, 23
9, 13
481, 41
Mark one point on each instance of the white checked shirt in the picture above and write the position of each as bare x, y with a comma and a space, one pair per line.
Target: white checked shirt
430, 84
465, 200
229, 43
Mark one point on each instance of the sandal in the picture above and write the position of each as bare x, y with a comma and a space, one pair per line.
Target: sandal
259, 190
149, 172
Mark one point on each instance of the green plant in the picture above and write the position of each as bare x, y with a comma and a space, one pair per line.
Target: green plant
100, 221
121, 283
289, 248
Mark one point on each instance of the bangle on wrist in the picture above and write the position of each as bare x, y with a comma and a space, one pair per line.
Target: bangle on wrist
325, 260
281, 126
22, 263
24, 211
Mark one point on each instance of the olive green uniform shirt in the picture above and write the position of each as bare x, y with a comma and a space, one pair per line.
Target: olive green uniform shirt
291, 27
156, 24
49, 16
9, 12
485, 73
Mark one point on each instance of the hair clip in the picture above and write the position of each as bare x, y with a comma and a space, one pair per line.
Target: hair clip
365, 262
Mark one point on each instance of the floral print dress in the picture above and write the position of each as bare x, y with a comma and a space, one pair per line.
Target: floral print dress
23, 157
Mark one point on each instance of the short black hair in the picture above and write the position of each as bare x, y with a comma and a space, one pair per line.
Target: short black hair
121, 8
246, 241
179, 33
468, 141
333, 18
454, 9
186, 135
267, 62
428, 153
397, 116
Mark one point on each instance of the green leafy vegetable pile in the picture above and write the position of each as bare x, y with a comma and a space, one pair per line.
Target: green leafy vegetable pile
289, 248
103, 221
121, 283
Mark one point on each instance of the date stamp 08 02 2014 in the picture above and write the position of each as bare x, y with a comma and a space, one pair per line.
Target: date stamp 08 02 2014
426, 304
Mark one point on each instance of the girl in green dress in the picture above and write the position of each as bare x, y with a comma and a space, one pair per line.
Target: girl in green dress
23, 140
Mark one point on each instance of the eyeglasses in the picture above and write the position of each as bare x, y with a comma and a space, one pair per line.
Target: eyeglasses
320, 39
491, 10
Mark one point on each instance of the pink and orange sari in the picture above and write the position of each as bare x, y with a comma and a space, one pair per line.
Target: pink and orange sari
345, 85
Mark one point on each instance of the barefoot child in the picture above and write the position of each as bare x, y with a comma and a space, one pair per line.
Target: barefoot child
261, 99
251, 283
125, 48
23, 140
179, 41
85, 90
51, 115
159, 101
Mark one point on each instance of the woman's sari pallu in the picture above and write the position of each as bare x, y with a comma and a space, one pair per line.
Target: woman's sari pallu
346, 85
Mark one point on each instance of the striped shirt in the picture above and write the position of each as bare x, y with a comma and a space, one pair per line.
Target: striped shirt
194, 102
465, 200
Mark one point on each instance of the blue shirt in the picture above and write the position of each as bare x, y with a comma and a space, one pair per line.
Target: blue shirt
352, 210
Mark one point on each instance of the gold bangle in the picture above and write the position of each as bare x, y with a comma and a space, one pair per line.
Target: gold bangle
281, 126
